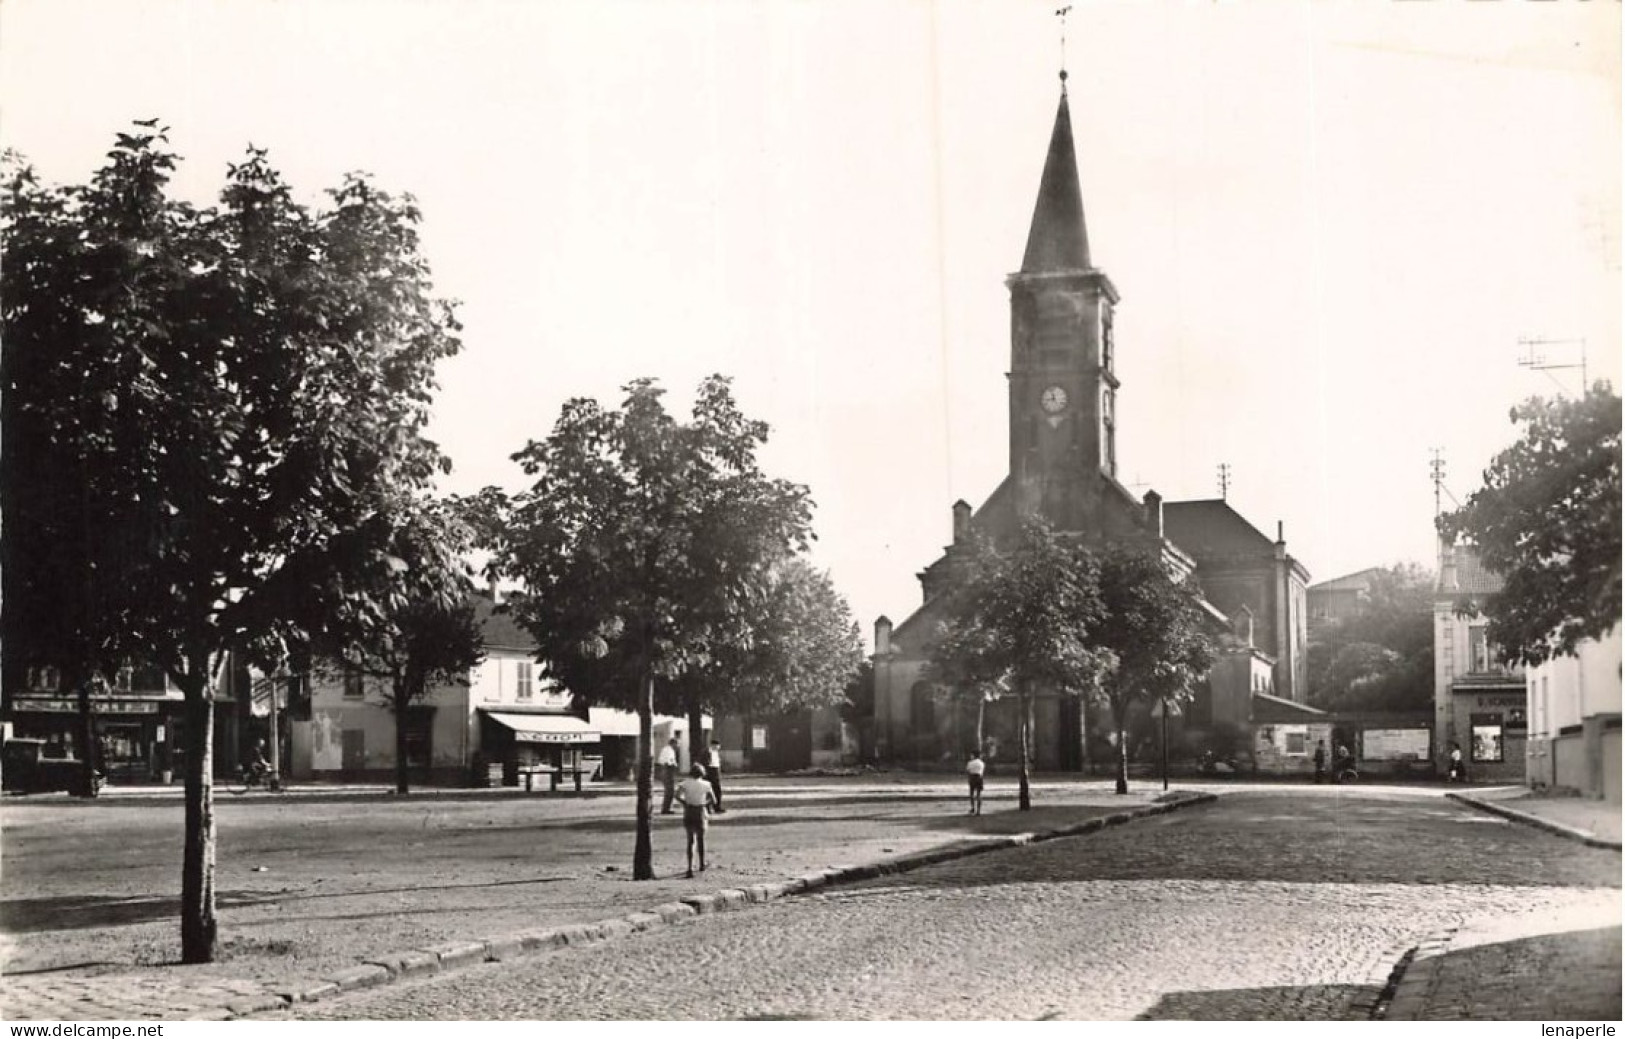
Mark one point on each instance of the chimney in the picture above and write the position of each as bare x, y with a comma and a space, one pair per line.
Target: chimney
961, 520
1280, 540
882, 636
491, 586
1153, 512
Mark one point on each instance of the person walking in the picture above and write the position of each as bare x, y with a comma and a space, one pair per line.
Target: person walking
1320, 761
667, 764
1458, 769
713, 772
697, 798
974, 770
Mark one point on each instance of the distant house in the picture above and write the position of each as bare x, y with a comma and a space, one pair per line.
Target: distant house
1479, 701
1574, 721
1341, 597
505, 718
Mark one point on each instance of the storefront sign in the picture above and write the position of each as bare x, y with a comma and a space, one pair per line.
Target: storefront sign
555, 737
96, 706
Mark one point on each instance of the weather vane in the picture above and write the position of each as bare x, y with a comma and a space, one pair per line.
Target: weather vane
1061, 13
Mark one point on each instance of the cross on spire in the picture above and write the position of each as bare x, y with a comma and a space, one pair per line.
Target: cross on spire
1061, 13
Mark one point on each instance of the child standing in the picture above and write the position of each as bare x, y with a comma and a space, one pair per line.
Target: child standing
974, 770
697, 798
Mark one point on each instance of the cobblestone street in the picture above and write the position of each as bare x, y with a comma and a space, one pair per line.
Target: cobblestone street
1261, 906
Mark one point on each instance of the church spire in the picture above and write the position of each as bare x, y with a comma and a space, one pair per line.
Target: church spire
1058, 240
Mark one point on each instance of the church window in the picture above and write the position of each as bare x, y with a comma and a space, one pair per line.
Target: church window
1108, 439
1106, 344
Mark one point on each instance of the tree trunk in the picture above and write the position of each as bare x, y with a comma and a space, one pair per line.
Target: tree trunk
643, 852
401, 698
198, 927
696, 738
1024, 800
981, 721
1122, 760
89, 759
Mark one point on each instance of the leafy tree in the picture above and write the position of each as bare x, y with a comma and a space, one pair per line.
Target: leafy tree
425, 633
1382, 657
798, 647
642, 546
1153, 633
262, 375
1020, 620
1548, 520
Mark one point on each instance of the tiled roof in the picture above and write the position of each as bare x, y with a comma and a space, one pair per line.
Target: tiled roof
1472, 577
1360, 580
498, 625
1211, 527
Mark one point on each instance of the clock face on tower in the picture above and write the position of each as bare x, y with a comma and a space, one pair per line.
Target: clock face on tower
1053, 400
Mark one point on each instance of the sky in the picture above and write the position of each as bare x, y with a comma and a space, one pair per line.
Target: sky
1331, 224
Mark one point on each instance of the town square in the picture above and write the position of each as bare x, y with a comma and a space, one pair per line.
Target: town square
787, 512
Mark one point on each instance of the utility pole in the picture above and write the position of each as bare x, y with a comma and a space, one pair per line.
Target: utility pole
1436, 469
1224, 481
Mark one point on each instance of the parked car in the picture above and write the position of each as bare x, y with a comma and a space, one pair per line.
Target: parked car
24, 769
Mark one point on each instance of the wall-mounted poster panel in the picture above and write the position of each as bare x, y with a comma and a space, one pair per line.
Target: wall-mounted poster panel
1395, 744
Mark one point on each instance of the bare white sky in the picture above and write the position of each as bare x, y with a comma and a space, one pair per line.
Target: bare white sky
1331, 223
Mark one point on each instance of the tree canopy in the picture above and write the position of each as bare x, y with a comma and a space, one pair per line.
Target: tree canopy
1548, 521
798, 647
1019, 620
1154, 635
248, 383
643, 546
425, 631
1380, 658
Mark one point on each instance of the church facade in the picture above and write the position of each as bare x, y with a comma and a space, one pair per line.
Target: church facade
1063, 390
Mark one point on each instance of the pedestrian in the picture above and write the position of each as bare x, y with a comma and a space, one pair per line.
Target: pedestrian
713, 772
1320, 761
974, 770
1458, 769
697, 798
667, 764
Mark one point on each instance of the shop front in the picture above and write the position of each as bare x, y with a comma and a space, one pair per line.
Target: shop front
1490, 723
138, 737
514, 743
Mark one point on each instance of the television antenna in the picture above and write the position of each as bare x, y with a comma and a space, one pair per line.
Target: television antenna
1534, 359
1224, 481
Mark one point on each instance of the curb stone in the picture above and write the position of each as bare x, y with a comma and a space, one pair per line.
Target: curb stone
1413, 977
1572, 833
381, 970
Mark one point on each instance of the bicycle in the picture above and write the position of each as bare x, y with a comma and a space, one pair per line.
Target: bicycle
253, 777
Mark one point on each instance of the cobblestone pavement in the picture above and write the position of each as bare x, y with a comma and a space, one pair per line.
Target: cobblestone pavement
1559, 966
1259, 907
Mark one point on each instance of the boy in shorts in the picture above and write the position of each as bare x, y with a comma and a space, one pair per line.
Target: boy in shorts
697, 798
973, 772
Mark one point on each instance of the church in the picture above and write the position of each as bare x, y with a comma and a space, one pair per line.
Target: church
1063, 391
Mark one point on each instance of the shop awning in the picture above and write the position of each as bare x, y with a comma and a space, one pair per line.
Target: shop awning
546, 728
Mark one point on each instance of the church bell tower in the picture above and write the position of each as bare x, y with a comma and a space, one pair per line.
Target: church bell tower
1062, 385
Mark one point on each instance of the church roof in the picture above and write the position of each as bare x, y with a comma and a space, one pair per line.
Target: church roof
1358, 581
1211, 527
1058, 240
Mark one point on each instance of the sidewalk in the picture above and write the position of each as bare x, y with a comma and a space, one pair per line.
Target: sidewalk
1594, 822
310, 889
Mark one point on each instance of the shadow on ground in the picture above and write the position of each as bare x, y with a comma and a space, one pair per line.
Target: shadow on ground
1292, 1003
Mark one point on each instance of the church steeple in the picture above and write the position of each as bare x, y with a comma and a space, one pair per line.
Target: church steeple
1063, 391
1058, 239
